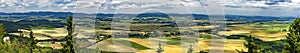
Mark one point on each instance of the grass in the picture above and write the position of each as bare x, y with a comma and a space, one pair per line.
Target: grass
177, 41
47, 44
132, 44
42, 28
272, 31
206, 36
173, 41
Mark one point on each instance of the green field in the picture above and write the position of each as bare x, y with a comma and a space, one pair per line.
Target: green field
132, 44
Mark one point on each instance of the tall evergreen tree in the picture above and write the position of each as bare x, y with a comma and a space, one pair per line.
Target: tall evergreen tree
3, 33
252, 47
190, 50
32, 41
69, 45
159, 49
293, 38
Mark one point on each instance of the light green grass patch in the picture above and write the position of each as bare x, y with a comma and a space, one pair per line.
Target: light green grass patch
132, 44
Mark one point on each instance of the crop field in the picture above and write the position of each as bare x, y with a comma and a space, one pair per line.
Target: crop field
265, 32
144, 36
150, 26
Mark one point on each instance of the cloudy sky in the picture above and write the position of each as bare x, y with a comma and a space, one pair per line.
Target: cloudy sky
236, 7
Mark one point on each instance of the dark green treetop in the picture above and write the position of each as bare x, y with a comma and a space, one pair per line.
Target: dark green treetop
293, 38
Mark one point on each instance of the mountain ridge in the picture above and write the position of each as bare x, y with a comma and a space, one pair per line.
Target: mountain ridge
103, 15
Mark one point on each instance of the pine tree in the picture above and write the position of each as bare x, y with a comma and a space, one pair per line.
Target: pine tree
160, 49
3, 33
190, 50
293, 38
68, 47
32, 41
252, 47
13, 47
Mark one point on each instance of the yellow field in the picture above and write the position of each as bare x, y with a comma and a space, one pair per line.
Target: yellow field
230, 46
269, 37
58, 33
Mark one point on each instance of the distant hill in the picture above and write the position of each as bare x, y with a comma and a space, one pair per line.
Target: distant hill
152, 14
156, 14
2, 12
37, 14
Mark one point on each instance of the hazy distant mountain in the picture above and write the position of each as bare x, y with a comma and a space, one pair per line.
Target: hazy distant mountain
36, 14
2, 12
101, 15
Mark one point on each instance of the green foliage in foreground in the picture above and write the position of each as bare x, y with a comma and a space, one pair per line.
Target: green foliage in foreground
3, 33
19, 46
32, 42
293, 38
289, 45
68, 47
14, 47
251, 45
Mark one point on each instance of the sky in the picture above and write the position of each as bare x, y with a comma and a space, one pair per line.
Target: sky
235, 7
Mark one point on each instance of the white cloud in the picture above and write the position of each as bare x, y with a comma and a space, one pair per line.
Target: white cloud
296, 1
174, 6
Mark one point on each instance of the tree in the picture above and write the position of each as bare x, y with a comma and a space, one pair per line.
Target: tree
203, 52
159, 49
3, 33
68, 47
190, 50
13, 47
252, 47
32, 41
293, 38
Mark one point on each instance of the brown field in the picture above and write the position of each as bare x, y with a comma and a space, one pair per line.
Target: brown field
58, 33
